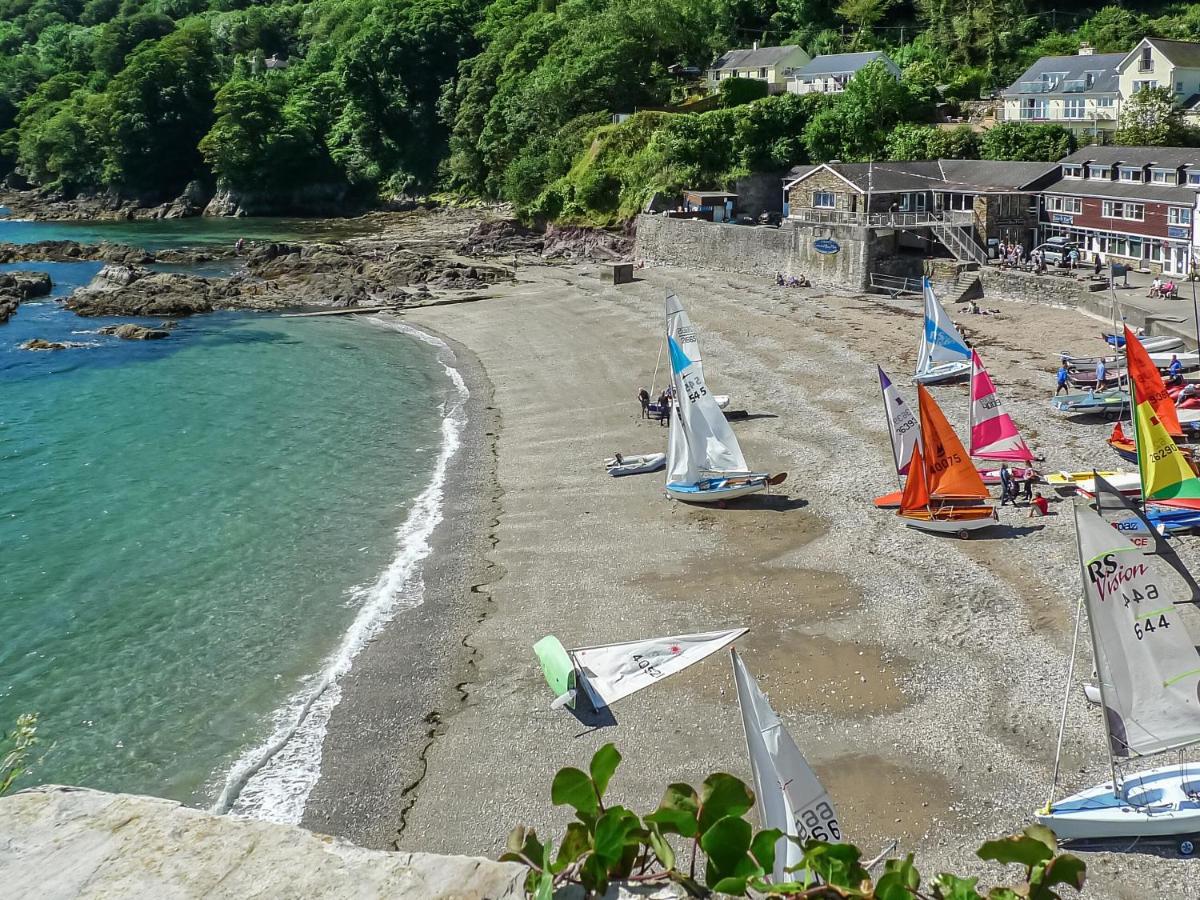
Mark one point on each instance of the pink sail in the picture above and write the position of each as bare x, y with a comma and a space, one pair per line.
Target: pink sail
993, 434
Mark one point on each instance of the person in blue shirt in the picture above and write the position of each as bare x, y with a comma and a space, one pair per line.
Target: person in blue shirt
1101, 375
1062, 376
1175, 370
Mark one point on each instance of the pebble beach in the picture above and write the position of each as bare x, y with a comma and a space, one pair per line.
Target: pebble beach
922, 676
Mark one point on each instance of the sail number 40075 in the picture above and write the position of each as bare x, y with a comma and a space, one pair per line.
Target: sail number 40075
1143, 627
818, 822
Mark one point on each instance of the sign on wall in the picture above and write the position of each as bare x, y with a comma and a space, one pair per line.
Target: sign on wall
826, 245
1178, 231
1060, 219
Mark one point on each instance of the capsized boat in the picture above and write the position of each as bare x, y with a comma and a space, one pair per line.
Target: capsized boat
904, 431
704, 460
618, 466
1148, 673
790, 797
944, 355
607, 673
994, 435
944, 492
1092, 403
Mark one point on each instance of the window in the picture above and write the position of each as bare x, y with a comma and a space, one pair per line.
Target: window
1035, 109
1163, 176
1071, 205
1072, 171
1116, 209
1146, 63
1129, 173
762, 73
1193, 177
1073, 108
1179, 215
824, 199
1095, 171
1179, 87
958, 202
912, 202
1144, 85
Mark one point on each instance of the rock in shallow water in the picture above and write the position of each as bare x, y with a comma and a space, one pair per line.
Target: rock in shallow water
131, 332
60, 842
42, 344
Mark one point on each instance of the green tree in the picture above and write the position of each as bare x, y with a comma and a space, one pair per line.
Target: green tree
857, 125
255, 143
910, 141
1150, 118
736, 91
863, 15
1113, 29
1026, 141
157, 110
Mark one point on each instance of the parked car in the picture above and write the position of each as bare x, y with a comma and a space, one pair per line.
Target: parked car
773, 219
744, 219
1057, 249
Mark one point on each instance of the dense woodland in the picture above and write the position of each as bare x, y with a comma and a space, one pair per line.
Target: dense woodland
509, 99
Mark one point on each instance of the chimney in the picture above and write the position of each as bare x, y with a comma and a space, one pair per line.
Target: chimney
755, 47
1086, 49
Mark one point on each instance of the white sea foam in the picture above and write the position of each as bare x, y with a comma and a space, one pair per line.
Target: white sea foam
273, 781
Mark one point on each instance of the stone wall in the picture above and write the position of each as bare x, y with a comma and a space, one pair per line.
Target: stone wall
846, 198
58, 843
760, 251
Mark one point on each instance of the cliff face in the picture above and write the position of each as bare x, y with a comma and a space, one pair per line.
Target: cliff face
63, 842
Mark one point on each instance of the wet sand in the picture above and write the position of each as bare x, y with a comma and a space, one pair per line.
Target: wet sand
921, 675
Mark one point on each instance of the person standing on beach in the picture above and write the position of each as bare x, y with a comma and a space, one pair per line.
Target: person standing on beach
1007, 488
644, 399
1063, 375
1101, 374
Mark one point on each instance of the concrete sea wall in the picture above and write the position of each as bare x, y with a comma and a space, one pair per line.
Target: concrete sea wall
693, 244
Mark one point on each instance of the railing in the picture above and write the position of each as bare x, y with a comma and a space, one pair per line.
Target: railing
900, 219
1145, 65
1035, 114
894, 285
821, 86
962, 245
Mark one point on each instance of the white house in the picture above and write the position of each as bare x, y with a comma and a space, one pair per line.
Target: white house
1081, 93
1160, 63
829, 74
774, 65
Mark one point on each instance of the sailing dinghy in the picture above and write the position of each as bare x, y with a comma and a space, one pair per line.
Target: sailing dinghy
1148, 670
904, 431
994, 435
944, 492
790, 797
704, 460
610, 672
944, 355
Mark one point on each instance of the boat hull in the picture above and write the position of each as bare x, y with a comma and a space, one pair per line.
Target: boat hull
719, 491
943, 372
636, 465
1065, 483
1090, 404
956, 520
1155, 803
889, 501
992, 476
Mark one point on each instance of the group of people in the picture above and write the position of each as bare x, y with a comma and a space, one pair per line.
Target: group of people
1012, 489
664, 404
791, 280
1011, 255
1163, 289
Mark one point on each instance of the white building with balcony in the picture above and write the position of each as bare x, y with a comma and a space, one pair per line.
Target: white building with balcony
829, 74
1160, 63
1082, 93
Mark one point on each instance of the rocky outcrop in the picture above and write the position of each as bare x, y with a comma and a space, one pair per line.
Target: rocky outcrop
42, 344
58, 842
308, 200
504, 237
119, 290
18, 286
73, 251
131, 332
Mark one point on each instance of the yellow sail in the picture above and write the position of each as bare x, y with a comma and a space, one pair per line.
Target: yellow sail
1166, 476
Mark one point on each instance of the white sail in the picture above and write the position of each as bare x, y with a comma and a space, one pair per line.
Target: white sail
701, 443
613, 671
903, 426
940, 341
1147, 663
789, 795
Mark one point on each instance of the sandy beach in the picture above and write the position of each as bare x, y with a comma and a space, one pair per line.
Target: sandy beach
921, 676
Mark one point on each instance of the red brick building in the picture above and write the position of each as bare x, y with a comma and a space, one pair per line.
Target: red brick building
1129, 204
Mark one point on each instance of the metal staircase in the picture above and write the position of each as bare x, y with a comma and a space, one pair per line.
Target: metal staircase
959, 241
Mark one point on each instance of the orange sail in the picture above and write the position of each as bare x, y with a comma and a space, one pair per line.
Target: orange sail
1148, 385
916, 489
950, 473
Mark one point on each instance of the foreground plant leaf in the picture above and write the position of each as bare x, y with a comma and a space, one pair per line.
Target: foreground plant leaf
604, 763
573, 788
678, 811
723, 795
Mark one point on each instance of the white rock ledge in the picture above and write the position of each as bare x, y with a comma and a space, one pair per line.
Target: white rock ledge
64, 842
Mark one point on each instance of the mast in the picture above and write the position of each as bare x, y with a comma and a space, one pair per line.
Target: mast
1112, 763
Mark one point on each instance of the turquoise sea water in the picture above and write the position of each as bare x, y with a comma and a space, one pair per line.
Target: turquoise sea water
189, 528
